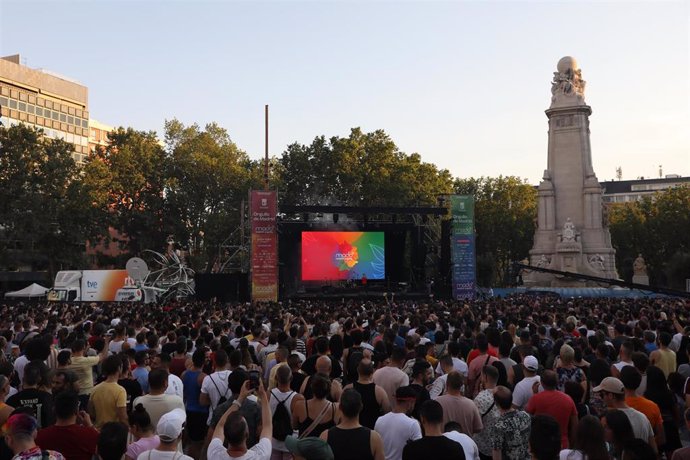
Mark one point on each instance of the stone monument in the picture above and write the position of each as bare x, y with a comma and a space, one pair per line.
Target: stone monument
572, 233
640, 275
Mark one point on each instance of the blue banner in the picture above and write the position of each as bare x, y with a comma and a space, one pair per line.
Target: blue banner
463, 257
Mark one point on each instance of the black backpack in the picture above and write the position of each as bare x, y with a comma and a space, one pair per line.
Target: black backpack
282, 424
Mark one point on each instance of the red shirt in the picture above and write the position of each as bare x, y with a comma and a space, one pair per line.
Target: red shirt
556, 404
474, 353
74, 442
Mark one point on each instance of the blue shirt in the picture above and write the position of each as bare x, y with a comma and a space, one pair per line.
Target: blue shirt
142, 376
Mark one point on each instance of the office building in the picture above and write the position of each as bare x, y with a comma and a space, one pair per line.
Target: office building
54, 103
623, 191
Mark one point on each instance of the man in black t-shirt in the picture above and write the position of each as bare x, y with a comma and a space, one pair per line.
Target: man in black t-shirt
40, 402
433, 444
309, 366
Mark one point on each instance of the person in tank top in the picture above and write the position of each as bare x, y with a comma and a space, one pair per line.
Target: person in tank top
349, 440
374, 398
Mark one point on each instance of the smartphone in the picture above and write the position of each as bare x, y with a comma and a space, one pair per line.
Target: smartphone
253, 380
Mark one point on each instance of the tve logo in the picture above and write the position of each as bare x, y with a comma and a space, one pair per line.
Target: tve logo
92, 284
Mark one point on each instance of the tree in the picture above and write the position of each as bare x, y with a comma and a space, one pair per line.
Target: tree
505, 215
208, 177
129, 176
47, 210
656, 227
363, 169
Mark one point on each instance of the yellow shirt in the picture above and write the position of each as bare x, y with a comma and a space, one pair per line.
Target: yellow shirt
83, 367
106, 398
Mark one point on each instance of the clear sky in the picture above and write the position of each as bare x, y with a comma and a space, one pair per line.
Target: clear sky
465, 84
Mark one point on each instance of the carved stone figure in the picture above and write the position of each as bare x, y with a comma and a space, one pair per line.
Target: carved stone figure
597, 261
543, 261
568, 235
639, 266
568, 79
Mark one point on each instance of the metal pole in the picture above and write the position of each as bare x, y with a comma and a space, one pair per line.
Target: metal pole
266, 158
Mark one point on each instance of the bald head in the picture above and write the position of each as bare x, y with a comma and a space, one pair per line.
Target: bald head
323, 365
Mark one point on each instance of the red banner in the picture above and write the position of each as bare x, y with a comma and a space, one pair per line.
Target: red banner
264, 261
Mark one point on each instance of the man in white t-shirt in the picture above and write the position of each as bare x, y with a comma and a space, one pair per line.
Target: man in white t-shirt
397, 428
215, 386
169, 429
175, 385
468, 445
523, 390
233, 427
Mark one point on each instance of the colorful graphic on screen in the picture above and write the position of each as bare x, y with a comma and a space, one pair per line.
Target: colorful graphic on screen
330, 256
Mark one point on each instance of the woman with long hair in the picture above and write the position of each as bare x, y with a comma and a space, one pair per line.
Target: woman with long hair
659, 393
618, 432
318, 408
589, 441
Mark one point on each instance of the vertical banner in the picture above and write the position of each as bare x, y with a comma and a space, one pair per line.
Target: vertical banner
263, 208
462, 246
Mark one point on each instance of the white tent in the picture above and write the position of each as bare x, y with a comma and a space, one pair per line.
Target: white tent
35, 290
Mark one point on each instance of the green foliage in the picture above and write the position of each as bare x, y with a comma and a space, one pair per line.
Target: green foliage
364, 169
505, 214
128, 176
656, 227
46, 206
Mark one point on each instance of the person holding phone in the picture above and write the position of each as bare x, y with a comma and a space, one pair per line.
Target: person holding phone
233, 427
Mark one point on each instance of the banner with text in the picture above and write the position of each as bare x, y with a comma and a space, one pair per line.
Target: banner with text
462, 246
263, 208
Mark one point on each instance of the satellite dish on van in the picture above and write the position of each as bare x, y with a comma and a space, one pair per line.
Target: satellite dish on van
137, 269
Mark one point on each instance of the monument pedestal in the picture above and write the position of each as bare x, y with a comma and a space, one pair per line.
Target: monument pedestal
572, 234
641, 279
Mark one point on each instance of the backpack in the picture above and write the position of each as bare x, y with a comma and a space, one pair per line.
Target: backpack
223, 397
282, 424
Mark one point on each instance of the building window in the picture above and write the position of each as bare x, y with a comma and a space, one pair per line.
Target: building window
22, 106
70, 120
13, 104
31, 108
55, 115
39, 111
3, 101
85, 123
63, 118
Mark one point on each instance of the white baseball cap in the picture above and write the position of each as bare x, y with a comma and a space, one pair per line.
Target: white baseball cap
171, 424
530, 363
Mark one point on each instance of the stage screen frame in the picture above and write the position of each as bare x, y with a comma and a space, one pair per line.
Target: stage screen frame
326, 255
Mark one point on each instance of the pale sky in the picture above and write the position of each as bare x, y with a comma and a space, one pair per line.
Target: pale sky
464, 84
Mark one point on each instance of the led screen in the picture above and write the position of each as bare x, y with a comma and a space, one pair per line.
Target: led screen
330, 256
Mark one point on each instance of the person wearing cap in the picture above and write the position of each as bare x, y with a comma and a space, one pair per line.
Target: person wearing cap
20, 433
397, 428
169, 429
631, 379
233, 427
523, 389
433, 445
555, 403
612, 391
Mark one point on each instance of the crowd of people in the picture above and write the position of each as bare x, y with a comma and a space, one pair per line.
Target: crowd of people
517, 378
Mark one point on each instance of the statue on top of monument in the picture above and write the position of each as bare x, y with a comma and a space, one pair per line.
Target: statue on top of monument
567, 81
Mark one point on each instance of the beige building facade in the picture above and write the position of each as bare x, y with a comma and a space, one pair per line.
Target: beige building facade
55, 104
